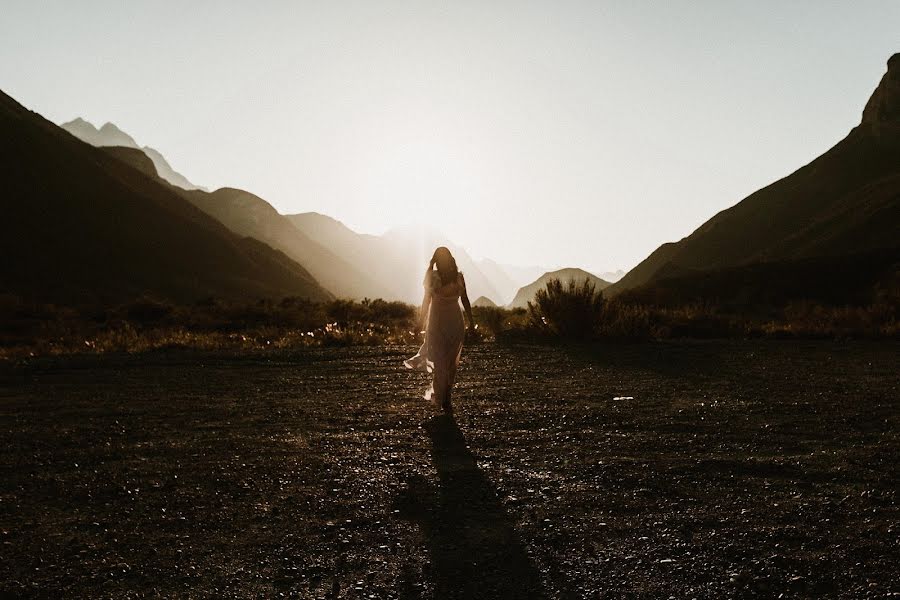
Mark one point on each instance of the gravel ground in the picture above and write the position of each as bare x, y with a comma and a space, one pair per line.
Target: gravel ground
683, 469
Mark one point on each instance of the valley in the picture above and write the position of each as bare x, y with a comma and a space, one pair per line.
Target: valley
694, 469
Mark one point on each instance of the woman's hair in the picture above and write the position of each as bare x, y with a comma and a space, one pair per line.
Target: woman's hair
446, 265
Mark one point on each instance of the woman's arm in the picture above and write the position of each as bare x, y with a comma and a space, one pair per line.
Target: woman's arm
466, 304
468, 307
423, 311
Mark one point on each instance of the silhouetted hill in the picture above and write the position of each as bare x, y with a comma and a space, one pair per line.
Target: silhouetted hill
134, 157
110, 135
83, 226
396, 259
248, 214
844, 203
484, 302
526, 294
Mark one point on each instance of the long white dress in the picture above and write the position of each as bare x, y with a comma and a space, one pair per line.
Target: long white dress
445, 331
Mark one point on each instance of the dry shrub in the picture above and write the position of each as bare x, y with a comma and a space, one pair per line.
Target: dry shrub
490, 319
147, 324
570, 311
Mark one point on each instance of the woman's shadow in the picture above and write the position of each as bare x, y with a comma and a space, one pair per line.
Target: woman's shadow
475, 551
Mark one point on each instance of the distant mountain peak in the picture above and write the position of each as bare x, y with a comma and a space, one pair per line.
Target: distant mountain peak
884, 105
116, 137
81, 128
484, 302
565, 275
109, 134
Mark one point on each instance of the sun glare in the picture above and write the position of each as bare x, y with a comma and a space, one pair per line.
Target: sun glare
416, 182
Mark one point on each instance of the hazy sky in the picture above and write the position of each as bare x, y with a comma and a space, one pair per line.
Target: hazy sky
553, 133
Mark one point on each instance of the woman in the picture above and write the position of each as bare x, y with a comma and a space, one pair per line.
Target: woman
444, 328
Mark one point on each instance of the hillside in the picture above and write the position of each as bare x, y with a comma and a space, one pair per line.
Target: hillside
766, 288
82, 226
845, 202
110, 135
134, 157
331, 232
526, 294
248, 214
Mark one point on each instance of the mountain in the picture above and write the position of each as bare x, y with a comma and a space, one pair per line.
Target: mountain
83, 226
349, 264
884, 104
165, 170
526, 294
110, 135
500, 278
844, 203
364, 251
484, 302
249, 215
397, 259
332, 233
107, 135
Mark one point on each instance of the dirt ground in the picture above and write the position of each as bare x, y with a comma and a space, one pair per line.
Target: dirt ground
683, 469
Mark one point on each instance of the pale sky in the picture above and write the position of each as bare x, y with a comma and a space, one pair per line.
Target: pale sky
552, 133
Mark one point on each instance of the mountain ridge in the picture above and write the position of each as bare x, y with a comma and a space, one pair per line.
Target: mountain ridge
842, 202
248, 214
83, 226
109, 134
396, 259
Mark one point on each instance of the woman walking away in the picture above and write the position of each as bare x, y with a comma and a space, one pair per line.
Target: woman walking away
444, 327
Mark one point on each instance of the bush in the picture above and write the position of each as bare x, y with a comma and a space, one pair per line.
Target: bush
490, 318
571, 311
380, 311
621, 320
344, 312
147, 310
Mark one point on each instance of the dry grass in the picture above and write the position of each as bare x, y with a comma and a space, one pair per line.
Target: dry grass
148, 324
575, 312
